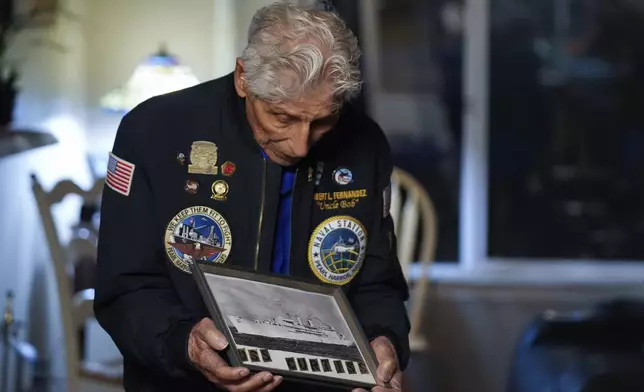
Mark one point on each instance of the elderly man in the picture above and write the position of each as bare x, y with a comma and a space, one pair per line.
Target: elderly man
273, 157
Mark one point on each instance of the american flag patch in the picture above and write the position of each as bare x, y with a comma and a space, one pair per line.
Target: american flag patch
119, 175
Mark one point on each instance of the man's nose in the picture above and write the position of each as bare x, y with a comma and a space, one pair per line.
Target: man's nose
301, 145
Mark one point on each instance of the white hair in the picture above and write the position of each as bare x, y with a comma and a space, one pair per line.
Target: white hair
292, 50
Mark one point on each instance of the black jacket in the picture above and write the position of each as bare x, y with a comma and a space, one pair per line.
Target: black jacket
148, 304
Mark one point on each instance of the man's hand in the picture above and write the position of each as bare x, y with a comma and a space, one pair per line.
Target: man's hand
388, 376
204, 342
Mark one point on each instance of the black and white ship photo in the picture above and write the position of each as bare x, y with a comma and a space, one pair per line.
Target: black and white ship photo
288, 329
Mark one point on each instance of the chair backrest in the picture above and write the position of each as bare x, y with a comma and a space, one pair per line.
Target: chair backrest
414, 218
416, 226
74, 310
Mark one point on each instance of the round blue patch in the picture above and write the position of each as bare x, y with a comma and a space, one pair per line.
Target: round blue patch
342, 176
337, 249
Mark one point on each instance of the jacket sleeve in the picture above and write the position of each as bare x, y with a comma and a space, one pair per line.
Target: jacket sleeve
379, 293
135, 301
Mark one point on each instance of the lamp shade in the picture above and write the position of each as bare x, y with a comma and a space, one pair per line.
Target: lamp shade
160, 73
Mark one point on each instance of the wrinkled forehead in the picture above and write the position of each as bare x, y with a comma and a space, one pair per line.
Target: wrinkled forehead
315, 104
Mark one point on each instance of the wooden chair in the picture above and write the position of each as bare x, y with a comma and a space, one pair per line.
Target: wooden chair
412, 209
76, 309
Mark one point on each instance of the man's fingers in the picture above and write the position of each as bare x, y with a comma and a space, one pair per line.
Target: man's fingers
387, 365
382, 350
227, 374
215, 339
386, 370
209, 360
396, 382
253, 383
211, 335
277, 380
394, 386
234, 379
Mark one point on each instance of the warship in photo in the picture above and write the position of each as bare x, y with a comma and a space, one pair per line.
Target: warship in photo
291, 333
291, 327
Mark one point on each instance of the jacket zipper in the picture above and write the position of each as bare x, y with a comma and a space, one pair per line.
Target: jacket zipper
261, 217
290, 222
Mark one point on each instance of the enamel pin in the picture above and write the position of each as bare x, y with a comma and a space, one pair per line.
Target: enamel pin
342, 176
191, 186
181, 158
228, 168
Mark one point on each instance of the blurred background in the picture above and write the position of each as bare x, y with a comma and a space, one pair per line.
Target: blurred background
519, 123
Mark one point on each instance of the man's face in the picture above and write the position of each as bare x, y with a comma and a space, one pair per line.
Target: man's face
286, 131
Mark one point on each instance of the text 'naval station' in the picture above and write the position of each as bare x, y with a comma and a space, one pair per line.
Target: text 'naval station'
340, 199
319, 255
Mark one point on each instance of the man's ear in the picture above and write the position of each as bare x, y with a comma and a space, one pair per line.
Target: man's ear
240, 82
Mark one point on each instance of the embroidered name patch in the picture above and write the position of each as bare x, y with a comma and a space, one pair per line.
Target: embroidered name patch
119, 175
340, 199
197, 234
337, 249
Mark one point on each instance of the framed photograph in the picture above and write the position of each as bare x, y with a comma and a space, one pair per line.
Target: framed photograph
302, 331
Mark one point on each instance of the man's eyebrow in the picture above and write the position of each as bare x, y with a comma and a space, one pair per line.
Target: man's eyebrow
276, 109
282, 111
279, 111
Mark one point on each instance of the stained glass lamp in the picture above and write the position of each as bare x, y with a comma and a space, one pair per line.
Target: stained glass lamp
159, 74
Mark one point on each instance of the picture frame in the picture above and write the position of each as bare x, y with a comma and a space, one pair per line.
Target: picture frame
304, 331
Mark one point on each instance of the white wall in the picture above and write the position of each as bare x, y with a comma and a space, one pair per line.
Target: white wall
122, 33
52, 99
244, 11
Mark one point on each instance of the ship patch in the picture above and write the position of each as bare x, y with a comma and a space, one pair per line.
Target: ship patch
337, 249
197, 234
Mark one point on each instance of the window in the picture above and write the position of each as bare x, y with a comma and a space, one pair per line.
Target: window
413, 67
566, 129
545, 162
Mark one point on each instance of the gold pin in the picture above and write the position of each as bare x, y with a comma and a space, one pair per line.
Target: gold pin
219, 190
203, 158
